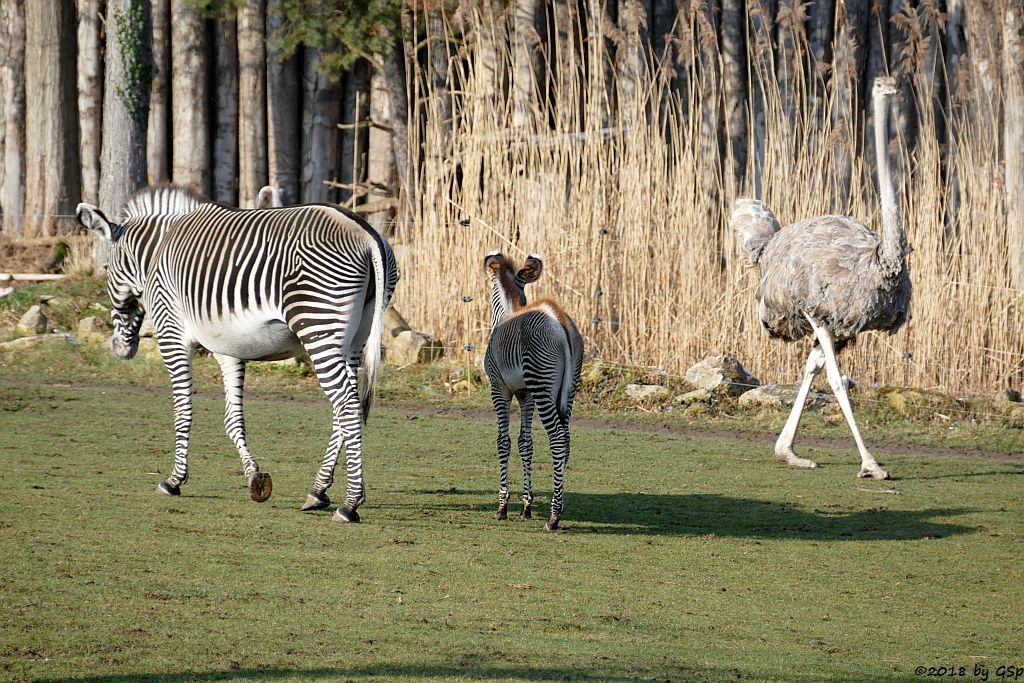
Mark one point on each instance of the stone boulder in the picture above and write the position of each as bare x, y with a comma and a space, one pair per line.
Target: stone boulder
410, 347
34, 340
646, 393
33, 322
693, 397
93, 331
721, 375
778, 396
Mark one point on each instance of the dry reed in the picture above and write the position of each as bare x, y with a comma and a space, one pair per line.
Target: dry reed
632, 220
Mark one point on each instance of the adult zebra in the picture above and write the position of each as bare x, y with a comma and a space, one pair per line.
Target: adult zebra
253, 285
535, 354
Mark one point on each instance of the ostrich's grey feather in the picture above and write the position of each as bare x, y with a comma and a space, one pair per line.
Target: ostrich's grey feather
827, 268
755, 225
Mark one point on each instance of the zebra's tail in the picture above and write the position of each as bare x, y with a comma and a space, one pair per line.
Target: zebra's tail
371, 353
568, 377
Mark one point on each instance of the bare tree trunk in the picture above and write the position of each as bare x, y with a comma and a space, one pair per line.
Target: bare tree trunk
380, 159
820, 24
983, 29
565, 82
321, 111
12, 123
734, 80
762, 19
395, 78
125, 107
252, 101
631, 62
354, 141
600, 69
438, 60
158, 140
90, 95
52, 170
904, 68
190, 117
847, 74
284, 112
1013, 131
524, 47
225, 140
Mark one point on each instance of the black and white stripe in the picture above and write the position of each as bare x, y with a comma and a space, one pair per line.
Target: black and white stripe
535, 354
255, 285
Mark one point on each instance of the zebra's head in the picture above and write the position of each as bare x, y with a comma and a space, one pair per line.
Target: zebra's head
124, 281
508, 284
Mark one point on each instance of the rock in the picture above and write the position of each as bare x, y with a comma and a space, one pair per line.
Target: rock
462, 387
34, 340
33, 322
148, 349
93, 331
594, 373
721, 375
1007, 400
410, 347
646, 393
778, 396
695, 396
6, 292
1016, 414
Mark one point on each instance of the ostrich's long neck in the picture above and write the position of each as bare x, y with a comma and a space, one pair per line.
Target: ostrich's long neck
894, 241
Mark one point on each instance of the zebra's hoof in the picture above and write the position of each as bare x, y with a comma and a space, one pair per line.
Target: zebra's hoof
502, 512
552, 524
526, 513
165, 489
343, 514
260, 487
316, 501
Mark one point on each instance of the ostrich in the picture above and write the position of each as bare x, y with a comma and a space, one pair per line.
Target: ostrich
832, 276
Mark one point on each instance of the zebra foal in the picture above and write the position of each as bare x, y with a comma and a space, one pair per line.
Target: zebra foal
252, 285
535, 354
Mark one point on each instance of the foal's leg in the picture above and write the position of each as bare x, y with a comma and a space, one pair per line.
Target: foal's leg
525, 445
502, 401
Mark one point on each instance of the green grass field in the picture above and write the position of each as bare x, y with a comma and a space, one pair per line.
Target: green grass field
682, 557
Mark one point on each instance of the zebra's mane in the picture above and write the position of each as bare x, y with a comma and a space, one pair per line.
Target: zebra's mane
162, 200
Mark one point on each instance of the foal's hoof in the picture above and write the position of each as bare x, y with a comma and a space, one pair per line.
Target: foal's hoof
343, 514
316, 501
502, 512
165, 489
526, 514
552, 524
260, 487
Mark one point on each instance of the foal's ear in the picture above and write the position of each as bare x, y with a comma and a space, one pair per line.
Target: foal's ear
92, 219
531, 269
493, 262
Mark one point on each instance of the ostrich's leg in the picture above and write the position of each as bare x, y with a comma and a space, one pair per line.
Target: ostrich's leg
784, 445
868, 466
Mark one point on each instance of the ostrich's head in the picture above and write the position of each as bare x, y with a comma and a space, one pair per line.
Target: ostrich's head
885, 86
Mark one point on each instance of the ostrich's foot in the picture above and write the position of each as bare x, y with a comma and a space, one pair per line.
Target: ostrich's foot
316, 500
260, 487
166, 489
874, 471
790, 458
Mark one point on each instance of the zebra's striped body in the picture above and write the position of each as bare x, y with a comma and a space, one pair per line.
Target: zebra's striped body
258, 285
535, 354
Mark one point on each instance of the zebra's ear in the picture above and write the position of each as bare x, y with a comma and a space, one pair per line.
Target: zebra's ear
531, 269
493, 262
92, 219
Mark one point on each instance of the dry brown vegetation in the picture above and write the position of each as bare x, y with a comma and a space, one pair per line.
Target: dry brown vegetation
632, 219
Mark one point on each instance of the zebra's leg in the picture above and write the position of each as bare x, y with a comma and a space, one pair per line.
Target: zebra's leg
502, 401
233, 372
784, 444
178, 360
525, 445
869, 467
558, 435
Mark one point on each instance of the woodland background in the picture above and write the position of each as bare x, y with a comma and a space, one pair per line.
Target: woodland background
609, 135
